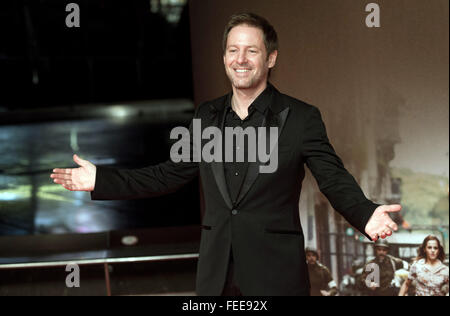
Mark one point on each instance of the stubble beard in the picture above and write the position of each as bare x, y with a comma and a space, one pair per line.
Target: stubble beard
244, 83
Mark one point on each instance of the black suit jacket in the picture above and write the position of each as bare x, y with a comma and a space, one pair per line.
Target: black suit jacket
263, 228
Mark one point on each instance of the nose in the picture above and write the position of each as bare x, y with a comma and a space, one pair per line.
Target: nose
242, 57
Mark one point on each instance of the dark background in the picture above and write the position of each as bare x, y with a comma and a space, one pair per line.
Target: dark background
123, 50
110, 91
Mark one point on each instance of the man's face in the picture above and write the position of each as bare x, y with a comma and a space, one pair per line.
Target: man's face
311, 258
381, 252
432, 249
246, 62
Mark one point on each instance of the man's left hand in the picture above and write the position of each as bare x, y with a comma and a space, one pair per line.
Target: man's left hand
380, 225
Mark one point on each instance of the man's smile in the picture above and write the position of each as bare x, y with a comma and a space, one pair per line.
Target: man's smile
242, 71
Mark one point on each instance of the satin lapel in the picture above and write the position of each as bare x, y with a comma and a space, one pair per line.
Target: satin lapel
271, 120
218, 120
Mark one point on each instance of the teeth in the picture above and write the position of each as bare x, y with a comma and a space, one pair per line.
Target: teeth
242, 70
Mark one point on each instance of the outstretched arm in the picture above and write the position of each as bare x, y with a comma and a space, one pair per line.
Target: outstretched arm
117, 184
124, 184
339, 186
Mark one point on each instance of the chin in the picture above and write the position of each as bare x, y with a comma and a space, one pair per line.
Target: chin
247, 83
242, 84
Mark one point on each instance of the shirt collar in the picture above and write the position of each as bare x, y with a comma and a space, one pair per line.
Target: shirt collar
261, 103
434, 269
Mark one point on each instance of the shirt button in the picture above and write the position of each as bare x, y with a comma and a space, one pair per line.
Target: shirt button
234, 212
236, 174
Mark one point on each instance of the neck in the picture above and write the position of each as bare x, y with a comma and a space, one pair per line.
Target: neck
243, 98
431, 262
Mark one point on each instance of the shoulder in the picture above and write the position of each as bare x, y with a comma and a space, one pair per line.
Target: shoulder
396, 260
418, 264
301, 113
211, 106
294, 104
371, 261
322, 267
443, 269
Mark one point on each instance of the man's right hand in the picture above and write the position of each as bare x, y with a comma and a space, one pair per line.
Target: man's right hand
76, 179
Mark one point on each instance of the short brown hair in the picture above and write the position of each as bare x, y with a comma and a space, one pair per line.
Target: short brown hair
423, 255
251, 19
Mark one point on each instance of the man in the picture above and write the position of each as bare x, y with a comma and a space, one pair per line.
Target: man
386, 265
252, 241
322, 283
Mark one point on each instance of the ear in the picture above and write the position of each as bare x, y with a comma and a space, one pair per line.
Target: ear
273, 58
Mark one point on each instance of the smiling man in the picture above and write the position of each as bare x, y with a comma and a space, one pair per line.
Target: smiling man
252, 241
247, 61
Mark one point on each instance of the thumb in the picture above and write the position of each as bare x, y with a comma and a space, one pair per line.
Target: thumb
79, 161
393, 208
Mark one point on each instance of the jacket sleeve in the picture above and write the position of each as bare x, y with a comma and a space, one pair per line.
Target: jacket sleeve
163, 178
334, 181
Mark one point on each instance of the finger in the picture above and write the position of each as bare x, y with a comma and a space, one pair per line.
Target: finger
388, 222
63, 182
62, 171
392, 208
392, 226
61, 176
79, 161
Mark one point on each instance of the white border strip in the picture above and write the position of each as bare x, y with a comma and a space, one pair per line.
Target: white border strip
97, 261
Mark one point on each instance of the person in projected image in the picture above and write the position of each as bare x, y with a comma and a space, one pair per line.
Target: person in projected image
387, 266
322, 283
428, 271
252, 241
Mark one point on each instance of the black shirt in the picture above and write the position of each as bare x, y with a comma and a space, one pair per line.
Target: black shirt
235, 171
